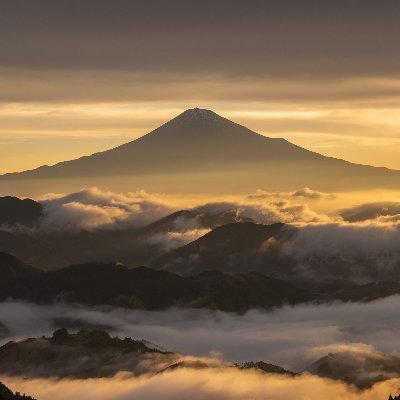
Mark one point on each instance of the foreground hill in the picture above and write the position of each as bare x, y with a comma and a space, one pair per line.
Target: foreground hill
86, 354
94, 353
200, 151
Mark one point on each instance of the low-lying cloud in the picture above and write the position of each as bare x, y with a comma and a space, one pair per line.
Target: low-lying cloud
215, 384
92, 209
385, 211
362, 244
293, 337
361, 252
265, 212
304, 193
172, 240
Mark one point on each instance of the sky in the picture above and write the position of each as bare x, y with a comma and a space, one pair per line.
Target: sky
79, 77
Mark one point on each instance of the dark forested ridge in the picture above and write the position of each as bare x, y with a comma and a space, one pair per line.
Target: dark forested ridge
94, 353
146, 288
264, 367
142, 287
85, 354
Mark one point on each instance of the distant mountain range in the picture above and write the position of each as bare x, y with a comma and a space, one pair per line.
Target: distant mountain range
200, 151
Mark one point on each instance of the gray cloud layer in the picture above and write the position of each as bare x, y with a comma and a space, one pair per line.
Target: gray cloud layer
384, 211
292, 336
259, 37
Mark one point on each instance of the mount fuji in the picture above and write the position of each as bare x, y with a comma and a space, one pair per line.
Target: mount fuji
201, 152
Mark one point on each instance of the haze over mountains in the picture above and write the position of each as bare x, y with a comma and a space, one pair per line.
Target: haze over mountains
202, 152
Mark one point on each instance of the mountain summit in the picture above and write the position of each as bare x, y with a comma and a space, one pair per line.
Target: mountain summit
200, 117
200, 151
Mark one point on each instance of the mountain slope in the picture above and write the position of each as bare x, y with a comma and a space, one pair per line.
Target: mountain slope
242, 246
196, 138
362, 368
11, 268
203, 152
31, 250
128, 245
15, 211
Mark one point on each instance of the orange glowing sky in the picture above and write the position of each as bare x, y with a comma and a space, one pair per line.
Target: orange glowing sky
76, 78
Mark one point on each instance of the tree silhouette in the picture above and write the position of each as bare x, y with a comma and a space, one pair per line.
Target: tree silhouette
7, 394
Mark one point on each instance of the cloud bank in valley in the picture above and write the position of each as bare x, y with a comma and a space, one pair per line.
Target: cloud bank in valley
357, 251
384, 211
305, 193
216, 384
293, 337
92, 209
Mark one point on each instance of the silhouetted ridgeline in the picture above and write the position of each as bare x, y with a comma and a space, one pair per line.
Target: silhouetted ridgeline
86, 354
145, 288
265, 367
15, 211
7, 394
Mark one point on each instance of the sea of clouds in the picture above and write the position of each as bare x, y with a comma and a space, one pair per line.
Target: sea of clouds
293, 337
